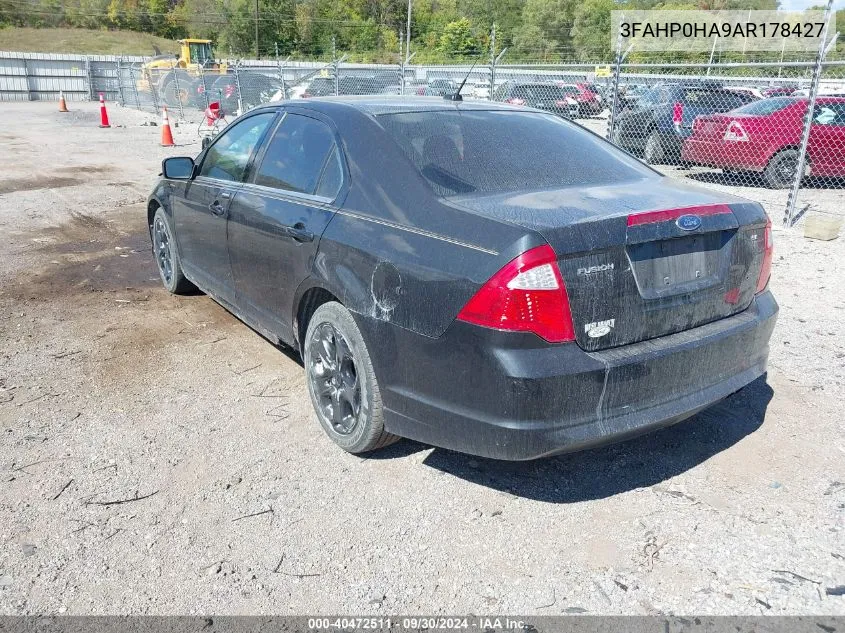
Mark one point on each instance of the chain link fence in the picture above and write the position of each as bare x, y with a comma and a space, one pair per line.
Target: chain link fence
772, 132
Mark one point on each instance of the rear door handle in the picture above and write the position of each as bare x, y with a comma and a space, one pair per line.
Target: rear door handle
299, 233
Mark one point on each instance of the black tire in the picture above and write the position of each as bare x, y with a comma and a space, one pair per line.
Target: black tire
780, 172
341, 381
653, 152
166, 255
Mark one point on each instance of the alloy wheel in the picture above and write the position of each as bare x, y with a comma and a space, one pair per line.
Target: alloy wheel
162, 250
334, 379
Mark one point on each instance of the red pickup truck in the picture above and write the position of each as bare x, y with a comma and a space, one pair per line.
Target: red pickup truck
764, 137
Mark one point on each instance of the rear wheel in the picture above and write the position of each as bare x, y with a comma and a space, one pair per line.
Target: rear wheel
341, 381
780, 172
653, 152
167, 255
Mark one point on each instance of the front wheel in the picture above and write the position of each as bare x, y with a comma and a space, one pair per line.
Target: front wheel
341, 381
167, 255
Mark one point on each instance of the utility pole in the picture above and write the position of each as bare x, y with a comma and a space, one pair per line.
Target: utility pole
492, 62
408, 31
257, 54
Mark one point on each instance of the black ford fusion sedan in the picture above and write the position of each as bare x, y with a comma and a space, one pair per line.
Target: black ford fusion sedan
475, 276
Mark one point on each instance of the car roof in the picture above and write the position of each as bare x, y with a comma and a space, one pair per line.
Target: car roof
392, 104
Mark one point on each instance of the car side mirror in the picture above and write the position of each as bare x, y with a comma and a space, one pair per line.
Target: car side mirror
178, 168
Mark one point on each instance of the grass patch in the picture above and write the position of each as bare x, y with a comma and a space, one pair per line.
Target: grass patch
82, 41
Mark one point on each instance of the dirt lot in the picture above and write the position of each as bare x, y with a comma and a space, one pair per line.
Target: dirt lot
111, 389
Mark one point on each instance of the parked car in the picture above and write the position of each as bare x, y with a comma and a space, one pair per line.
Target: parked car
779, 91
590, 102
440, 88
380, 83
764, 136
480, 90
472, 275
628, 95
755, 93
542, 96
657, 125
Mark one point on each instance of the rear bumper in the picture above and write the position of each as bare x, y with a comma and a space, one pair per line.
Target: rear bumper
719, 154
671, 142
512, 396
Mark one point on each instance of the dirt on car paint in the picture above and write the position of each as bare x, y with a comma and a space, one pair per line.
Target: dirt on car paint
232, 500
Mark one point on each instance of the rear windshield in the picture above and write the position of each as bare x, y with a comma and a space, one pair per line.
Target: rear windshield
466, 152
767, 106
543, 91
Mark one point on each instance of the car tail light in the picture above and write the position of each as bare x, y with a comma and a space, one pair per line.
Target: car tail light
526, 295
515, 101
766, 267
421, 90
735, 132
677, 114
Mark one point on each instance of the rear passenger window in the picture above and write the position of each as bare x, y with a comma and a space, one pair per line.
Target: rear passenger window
332, 176
295, 156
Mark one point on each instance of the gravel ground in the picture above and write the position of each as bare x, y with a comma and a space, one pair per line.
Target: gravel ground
158, 456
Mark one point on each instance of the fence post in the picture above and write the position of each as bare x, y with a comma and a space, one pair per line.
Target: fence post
120, 79
90, 77
178, 92
238, 87
401, 67
492, 62
789, 213
134, 85
617, 66
153, 91
204, 86
282, 75
336, 67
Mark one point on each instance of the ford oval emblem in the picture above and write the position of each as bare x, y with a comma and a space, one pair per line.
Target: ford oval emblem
688, 222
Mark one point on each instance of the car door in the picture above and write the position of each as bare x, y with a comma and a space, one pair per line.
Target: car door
277, 218
201, 205
826, 147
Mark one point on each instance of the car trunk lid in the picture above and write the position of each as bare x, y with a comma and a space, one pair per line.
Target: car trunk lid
644, 259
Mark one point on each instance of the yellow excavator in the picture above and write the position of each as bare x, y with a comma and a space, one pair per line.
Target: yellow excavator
177, 79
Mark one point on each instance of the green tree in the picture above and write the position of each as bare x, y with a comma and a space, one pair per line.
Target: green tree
457, 38
546, 26
591, 29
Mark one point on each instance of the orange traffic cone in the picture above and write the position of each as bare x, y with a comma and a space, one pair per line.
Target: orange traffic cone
166, 134
104, 116
62, 104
